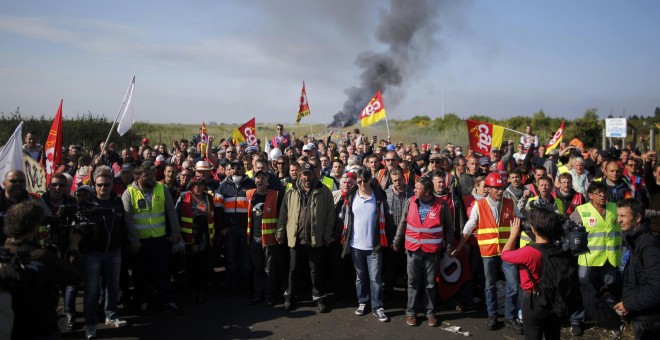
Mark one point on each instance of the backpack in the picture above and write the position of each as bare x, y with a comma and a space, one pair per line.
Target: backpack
559, 286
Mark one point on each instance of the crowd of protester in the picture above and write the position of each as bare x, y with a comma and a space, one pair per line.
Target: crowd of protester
352, 215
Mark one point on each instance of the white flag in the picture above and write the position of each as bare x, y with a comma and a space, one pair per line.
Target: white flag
11, 155
127, 119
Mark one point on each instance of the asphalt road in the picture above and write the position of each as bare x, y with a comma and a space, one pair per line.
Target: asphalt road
222, 317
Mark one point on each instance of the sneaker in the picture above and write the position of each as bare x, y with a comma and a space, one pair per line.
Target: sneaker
360, 310
492, 323
115, 322
432, 320
515, 325
90, 332
144, 308
172, 308
323, 308
288, 303
411, 320
70, 322
576, 330
380, 314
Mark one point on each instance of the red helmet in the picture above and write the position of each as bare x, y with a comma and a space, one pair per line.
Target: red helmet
494, 180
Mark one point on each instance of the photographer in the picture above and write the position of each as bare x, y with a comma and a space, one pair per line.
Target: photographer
538, 320
35, 297
101, 223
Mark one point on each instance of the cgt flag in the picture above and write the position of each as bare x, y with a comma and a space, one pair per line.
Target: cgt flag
374, 111
203, 139
53, 155
303, 111
556, 139
246, 133
483, 136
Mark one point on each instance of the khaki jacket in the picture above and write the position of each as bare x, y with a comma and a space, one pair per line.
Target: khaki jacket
323, 216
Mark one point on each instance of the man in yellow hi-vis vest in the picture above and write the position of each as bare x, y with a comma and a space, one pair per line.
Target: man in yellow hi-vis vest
148, 207
599, 266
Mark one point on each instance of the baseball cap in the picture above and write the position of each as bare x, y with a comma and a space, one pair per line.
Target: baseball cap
251, 149
159, 160
390, 147
126, 167
85, 187
425, 146
243, 144
260, 172
309, 147
435, 155
145, 141
483, 161
307, 167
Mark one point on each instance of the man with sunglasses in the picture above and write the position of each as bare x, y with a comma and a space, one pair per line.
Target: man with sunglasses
392, 162
14, 192
280, 137
102, 253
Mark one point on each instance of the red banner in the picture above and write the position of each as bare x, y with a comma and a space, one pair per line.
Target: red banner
52, 157
452, 273
483, 136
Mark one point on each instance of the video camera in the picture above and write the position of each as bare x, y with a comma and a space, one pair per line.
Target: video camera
573, 236
70, 218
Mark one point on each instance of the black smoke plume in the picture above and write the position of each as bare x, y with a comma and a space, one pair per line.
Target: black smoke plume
407, 28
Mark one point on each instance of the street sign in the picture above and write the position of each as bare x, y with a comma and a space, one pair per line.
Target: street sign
615, 127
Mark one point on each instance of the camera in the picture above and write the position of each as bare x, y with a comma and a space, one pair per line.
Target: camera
74, 218
572, 236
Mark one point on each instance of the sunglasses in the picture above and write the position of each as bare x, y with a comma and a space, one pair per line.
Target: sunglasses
14, 181
434, 161
58, 185
103, 185
390, 159
280, 163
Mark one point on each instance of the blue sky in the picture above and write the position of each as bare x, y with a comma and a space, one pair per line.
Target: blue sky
226, 61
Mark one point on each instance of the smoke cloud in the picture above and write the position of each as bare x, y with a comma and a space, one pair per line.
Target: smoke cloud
407, 28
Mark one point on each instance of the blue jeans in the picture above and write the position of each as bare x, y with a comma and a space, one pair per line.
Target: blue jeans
70, 293
109, 264
422, 271
491, 267
237, 252
597, 277
368, 281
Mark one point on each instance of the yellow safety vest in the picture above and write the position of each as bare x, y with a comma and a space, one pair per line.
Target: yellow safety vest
328, 182
605, 236
149, 221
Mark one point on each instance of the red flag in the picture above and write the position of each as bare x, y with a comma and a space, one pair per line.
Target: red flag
53, 146
483, 136
303, 111
452, 273
556, 139
246, 133
374, 111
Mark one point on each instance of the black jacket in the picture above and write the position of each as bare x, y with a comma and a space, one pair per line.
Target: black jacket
641, 276
104, 233
35, 297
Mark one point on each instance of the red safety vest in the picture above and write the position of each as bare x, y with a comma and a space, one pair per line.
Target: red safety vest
428, 236
268, 218
575, 202
187, 218
492, 236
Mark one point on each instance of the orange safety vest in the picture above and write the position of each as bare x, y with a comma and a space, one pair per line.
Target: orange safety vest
187, 225
428, 236
383, 172
491, 235
268, 218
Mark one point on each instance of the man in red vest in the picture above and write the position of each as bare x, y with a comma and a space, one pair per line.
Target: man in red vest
492, 218
428, 228
263, 212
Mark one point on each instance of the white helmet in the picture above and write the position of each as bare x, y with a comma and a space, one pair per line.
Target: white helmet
275, 154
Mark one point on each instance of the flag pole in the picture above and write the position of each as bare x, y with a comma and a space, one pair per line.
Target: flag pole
518, 132
310, 130
388, 128
121, 108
